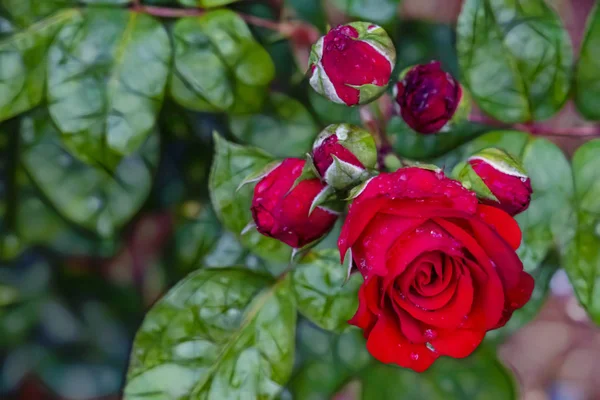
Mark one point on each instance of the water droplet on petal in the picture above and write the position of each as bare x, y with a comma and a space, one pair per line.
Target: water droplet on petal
414, 356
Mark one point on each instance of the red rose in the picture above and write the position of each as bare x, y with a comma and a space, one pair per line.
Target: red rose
427, 97
349, 58
439, 269
284, 214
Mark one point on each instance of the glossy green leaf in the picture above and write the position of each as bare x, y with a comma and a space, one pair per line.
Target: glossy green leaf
205, 3
285, 128
582, 255
26, 12
380, 11
413, 145
218, 334
101, 100
419, 42
479, 377
97, 199
326, 361
218, 64
329, 112
232, 163
23, 63
25, 218
197, 231
515, 58
321, 292
587, 78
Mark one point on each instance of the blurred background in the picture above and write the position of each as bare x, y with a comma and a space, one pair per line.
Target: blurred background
71, 302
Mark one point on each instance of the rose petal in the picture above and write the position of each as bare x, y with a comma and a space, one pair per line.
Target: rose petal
457, 343
505, 225
387, 344
427, 238
364, 318
489, 298
453, 314
505, 259
359, 216
516, 297
369, 252
435, 301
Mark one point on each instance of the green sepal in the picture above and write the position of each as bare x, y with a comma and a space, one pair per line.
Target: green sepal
309, 171
501, 160
466, 175
368, 92
258, 175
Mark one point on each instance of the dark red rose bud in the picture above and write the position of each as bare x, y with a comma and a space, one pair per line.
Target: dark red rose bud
352, 63
428, 98
505, 178
284, 214
342, 153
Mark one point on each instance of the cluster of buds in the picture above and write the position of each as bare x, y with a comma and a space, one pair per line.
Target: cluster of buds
297, 201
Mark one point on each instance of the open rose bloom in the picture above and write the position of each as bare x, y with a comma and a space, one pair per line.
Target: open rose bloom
440, 269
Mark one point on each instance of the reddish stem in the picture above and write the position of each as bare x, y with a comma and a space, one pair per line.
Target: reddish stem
285, 28
575, 131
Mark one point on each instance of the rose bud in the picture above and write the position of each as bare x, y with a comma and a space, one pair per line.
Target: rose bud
342, 154
439, 268
428, 98
505, 182
352, 63
284, 214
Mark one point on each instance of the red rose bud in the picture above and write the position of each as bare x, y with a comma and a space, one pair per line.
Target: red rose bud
352, 63
428, 98
284, 214
508, 184
342, 155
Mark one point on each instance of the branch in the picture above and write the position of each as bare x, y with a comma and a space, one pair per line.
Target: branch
575, 131
287, 29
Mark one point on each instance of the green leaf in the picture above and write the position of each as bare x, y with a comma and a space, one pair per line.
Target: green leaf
23, 64
479, 377
321, 294
97, 199
380, 11
232, 163
515, 58
582, 255
197, 231
408, 143
101, 100
329, 112
587, 79
218, 334
26, 12
205, 3
218, 65
326, 361
419, 42
285, 128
